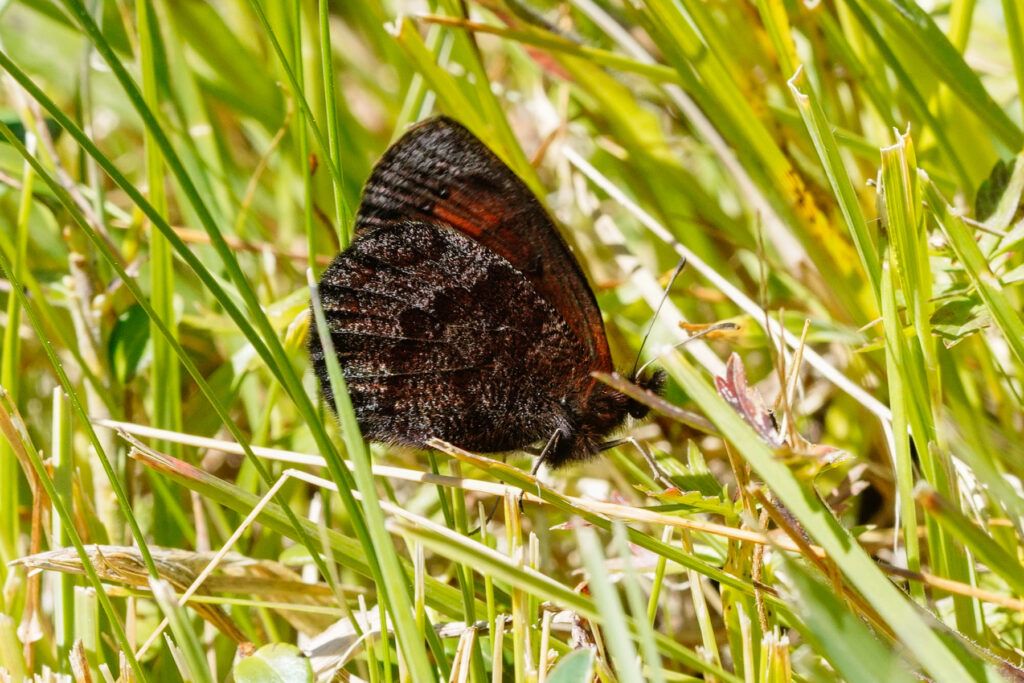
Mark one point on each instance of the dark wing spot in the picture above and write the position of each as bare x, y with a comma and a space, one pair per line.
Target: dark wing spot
417, 323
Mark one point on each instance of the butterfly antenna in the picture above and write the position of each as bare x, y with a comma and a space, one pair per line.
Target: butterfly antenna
707, 330
657, 311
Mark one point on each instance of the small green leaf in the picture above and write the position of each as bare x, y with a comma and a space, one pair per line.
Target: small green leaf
959, 318
295, 556
12, 120
991, 190
694, 501
274, 663
575, 667
128, 342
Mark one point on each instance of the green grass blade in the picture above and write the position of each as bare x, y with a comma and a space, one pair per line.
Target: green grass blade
395, 591
856, 565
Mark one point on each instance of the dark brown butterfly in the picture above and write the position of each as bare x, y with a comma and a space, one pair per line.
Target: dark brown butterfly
458, 312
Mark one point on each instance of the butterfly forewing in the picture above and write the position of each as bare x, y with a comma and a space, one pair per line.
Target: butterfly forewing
438, 171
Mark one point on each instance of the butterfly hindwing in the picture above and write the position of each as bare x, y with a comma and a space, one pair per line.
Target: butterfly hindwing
439, 336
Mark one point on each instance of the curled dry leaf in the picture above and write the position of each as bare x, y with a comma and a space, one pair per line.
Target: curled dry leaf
748, 402
265, 579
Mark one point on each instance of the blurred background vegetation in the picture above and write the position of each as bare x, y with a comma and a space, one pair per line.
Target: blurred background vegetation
845, 502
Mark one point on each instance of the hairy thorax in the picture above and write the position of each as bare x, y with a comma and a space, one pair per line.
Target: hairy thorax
598, 414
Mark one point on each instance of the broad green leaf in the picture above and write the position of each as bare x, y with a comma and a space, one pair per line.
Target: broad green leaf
959, 318
575, 667
274, 663
128, 342
991, 190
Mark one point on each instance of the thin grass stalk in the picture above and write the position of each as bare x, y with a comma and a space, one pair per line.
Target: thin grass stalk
489, 598
919, 366
700, 606
267, 341
895, 356
341, 217
87, 630
303, 161
196, 667
467, 582
1015, 39
961, 14
298, 91
395, 592
182, 357
521, 650
533, 603
497, 652
202, 151
613, 617
13, 428
658, 580
11, 658
10, 376
63, 463
649, 658
824, 141
418, 98
935, 655
385, 638
166, 371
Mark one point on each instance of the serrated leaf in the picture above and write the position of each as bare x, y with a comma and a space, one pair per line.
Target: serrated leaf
274, 663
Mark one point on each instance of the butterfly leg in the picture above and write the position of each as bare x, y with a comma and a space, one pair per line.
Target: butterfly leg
539, 461
541, 456
659, 474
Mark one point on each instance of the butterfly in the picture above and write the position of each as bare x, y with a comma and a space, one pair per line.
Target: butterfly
459, 312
